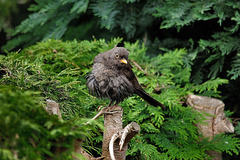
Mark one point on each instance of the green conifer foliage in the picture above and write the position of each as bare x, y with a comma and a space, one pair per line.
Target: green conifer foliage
209, 30
28, 132
56, 70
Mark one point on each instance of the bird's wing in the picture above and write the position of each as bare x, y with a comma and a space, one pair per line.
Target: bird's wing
128, 72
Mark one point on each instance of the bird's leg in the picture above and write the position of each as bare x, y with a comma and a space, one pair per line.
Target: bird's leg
109, 107
116, 104
110, 104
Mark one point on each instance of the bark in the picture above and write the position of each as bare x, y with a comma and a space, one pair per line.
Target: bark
53, 108
112, 124
216, 121
119, 137
123, 139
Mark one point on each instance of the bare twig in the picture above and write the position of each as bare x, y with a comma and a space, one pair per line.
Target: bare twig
125, 131
113, 139
125, 136
101, 112
139, 67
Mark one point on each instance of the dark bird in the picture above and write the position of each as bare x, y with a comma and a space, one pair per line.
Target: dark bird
112, 77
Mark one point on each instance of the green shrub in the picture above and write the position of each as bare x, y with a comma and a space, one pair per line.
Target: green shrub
56, 70
28, 132
209, 30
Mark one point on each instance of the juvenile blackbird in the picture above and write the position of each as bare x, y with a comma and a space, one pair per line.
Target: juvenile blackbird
112, 77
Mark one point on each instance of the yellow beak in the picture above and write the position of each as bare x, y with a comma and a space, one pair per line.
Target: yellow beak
123, 61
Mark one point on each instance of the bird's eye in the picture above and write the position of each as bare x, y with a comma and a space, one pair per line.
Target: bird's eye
117, 56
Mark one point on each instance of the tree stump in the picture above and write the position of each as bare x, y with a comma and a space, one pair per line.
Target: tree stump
112, 124
115, 138
216, 121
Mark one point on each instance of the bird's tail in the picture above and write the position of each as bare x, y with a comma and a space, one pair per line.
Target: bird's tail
144, 95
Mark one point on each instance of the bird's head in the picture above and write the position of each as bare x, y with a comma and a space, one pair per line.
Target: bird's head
118, 56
